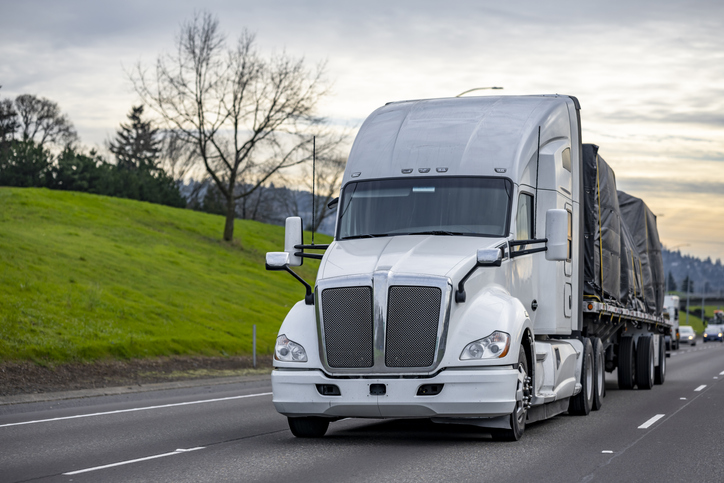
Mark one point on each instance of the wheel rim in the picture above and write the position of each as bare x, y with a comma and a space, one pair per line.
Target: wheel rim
523, 395
589, 378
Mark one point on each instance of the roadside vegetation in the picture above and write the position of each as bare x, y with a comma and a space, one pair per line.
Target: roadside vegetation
86, 277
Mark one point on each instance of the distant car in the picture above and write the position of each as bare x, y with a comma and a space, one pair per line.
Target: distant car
714, 332
688, 336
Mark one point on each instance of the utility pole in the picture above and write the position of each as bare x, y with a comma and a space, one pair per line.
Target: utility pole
703, 305
688, 289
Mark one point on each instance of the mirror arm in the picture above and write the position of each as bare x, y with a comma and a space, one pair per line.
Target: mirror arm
309, 295
527, 252
460, 292
313, 256
460, 295
520, 243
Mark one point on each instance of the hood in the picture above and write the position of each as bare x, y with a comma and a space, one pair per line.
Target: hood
434, 255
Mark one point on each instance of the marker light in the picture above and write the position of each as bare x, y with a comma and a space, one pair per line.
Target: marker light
288, 351
494, 346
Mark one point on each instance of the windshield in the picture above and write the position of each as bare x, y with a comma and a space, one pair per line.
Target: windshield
437, 206
684, 329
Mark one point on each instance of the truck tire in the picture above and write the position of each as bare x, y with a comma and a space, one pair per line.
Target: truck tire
581, 403
599, 372
626, 363
520, 413
308, 427
660, 375
645, 362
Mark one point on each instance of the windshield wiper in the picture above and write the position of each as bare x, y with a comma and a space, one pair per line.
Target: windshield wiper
367, 235
437, 232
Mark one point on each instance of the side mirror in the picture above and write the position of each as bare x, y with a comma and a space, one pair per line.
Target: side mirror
490, 257
557, 235
277, 260
293, 237
333, 203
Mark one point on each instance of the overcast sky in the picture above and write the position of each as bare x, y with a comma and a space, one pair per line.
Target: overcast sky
649, 75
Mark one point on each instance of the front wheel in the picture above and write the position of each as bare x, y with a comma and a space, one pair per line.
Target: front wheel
308, 427
523, 395
582, 402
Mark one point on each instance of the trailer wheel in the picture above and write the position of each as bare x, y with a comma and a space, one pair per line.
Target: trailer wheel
581, 403
599, 383
523, 395
626, 363
645, 362
308, 427
661, 370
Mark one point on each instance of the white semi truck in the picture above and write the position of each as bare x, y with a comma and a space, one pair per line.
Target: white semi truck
671, 305
455, 286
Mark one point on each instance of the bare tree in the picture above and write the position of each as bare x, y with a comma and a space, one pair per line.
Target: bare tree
328, 178
8, 120
247, 117
41, 121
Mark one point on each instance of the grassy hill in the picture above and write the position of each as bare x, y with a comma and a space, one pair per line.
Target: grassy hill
86, 277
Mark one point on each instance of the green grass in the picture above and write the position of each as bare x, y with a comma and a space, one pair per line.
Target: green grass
695, 321
86, 277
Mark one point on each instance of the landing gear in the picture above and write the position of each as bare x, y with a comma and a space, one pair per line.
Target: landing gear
523, 395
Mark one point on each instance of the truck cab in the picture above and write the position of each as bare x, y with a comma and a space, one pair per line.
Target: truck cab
453, 289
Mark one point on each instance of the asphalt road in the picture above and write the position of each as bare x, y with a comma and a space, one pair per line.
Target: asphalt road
231, 432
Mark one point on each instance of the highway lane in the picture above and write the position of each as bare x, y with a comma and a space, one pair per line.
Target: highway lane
244, 439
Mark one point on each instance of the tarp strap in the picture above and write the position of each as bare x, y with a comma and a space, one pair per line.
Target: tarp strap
641, 274
600, 232
633, 264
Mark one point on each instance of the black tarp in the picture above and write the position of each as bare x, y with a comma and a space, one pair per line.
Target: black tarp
632, 292
602, 227
641, 224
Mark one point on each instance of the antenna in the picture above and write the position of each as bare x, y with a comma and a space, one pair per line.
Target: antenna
535, 206
314, 179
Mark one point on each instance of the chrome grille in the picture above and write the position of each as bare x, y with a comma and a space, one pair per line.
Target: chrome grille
348, 331
413, 314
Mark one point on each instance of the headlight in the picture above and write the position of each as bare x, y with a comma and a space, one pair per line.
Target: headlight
691, 337
705, 334
289, 351
494, 346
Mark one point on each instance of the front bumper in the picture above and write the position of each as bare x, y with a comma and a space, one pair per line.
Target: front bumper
479, 392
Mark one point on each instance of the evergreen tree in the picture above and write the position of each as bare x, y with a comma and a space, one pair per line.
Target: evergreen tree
138, 143
671, 283
687, 285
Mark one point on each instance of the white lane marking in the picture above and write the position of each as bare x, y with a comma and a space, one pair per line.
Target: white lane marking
607, 451
716, 377
721, 373
700, 388
137, 409
651, 421
683, 398
128, 462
